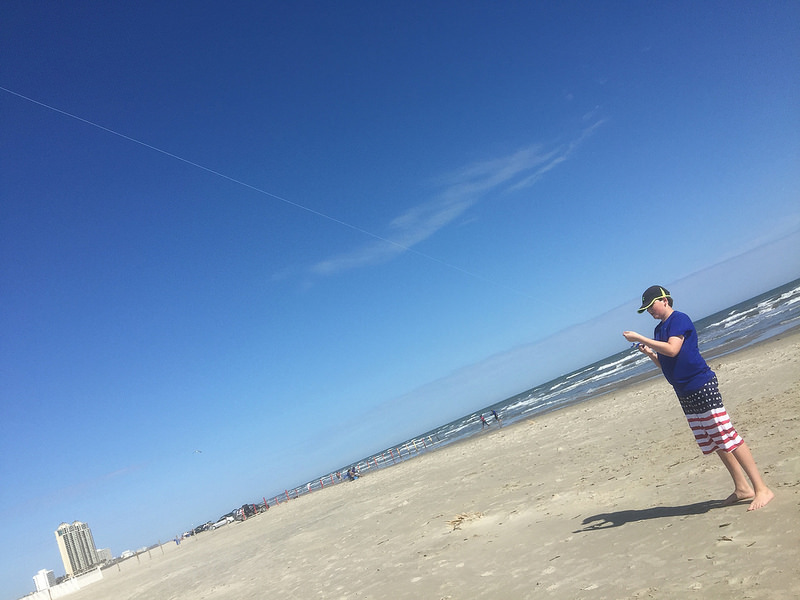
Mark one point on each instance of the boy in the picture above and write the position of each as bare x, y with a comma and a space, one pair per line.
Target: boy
674, 350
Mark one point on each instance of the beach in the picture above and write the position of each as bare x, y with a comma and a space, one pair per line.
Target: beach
606, 499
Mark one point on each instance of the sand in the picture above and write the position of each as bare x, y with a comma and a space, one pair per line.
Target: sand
608, 499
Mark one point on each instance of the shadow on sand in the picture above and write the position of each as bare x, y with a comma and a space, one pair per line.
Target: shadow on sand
615, 519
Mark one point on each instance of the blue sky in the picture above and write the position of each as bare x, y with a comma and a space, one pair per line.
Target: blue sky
292, 234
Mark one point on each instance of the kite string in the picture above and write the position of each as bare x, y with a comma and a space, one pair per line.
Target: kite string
259, 190
196, 165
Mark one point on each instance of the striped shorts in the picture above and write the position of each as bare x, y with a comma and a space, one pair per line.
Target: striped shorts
709, 420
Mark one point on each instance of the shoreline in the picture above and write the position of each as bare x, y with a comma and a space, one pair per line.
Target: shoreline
607, 498
723, 351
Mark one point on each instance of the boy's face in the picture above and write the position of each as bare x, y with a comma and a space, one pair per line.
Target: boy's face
659, 309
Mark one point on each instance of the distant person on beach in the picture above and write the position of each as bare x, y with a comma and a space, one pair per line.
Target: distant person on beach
483, 422
674, 350
496, 416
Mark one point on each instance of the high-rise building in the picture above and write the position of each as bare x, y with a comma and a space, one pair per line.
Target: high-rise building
76, 544
44, 579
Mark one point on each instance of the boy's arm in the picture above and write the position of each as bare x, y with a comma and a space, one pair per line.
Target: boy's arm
650, 353
669, 348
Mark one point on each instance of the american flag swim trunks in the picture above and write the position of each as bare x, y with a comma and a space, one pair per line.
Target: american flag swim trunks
709, 420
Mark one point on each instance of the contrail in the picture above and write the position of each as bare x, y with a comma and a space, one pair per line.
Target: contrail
264, 192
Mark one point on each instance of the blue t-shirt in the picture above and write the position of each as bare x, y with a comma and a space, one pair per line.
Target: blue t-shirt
687, 372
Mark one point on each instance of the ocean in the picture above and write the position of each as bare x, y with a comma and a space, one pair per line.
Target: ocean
761, 318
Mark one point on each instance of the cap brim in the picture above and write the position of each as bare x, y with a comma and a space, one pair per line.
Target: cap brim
645, 307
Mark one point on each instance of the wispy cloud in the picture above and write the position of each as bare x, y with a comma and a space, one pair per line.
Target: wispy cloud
462, 189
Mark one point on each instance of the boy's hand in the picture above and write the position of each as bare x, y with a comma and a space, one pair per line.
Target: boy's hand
648, 351
632, 336
639, 339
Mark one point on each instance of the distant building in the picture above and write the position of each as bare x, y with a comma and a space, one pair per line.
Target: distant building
76, 544
104, 555
44, 579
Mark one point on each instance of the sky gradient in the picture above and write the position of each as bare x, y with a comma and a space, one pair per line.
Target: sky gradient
290, 235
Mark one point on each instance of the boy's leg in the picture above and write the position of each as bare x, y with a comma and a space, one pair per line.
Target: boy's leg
738, 462
748, 463
742, 489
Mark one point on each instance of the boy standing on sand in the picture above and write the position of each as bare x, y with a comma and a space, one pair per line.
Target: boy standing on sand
674, 350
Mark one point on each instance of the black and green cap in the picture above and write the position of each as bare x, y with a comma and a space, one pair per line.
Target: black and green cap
651, 294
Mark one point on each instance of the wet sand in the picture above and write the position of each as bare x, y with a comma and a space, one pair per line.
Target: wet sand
607, 499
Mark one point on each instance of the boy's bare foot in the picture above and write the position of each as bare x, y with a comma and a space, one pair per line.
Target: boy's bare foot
739, 496
761, 499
